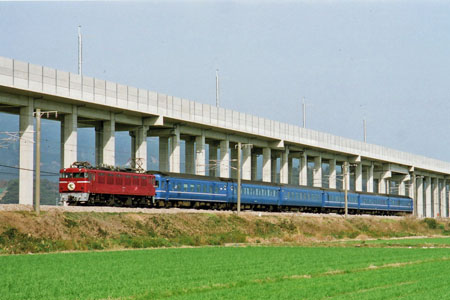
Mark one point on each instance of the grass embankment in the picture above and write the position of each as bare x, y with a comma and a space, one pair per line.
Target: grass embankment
24, 232
230, 273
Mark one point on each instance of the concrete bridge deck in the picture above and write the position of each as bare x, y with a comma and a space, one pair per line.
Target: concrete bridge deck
83, 101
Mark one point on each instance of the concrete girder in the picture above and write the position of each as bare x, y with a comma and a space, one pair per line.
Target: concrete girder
153, 121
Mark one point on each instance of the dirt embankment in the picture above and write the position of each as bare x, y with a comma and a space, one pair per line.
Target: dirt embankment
59, 230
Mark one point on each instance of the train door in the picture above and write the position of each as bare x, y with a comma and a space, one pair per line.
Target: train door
324, 198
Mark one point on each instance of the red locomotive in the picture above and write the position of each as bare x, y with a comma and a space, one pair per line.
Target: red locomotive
82, 184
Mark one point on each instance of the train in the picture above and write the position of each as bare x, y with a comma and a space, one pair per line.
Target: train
85, 185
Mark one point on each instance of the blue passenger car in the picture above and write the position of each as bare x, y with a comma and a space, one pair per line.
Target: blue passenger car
374, 202
336, 199
257, 194
176, 188
299, 196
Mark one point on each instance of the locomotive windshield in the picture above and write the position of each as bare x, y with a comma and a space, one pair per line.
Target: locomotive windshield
74, 175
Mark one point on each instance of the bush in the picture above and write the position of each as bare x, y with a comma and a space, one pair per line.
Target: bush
432, 223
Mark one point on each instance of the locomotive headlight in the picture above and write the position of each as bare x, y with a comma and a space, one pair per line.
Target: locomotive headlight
71, 186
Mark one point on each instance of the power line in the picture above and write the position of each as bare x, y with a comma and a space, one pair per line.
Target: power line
25, 169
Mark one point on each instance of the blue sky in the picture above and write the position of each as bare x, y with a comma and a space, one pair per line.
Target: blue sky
385, 61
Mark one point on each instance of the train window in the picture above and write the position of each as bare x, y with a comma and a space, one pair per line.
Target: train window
144, 181
135, 180
127, 180
192, 188
185, 187
119, 179
156, 183
210, 189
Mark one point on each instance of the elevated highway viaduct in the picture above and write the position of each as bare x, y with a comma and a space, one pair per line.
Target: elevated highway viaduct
281, 152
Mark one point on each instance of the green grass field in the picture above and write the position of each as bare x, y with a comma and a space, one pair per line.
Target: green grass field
230, 272
405, 242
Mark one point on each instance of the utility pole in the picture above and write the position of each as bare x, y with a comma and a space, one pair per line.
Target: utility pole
304, 112
37, 194
239, 146
364, 131
239, 178
345, 188
217, 88
80, 52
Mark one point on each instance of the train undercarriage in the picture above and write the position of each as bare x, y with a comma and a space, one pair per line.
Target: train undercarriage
151, 202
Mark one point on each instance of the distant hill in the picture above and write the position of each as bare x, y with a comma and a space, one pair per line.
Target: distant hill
49, 192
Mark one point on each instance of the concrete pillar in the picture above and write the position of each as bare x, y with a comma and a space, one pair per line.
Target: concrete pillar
332, 176
163, 154
254, 166
174, 155
200, 155
133, 148
317, 172
382, 186
428, 197
370, 179
234, 162
413, 191
401, 188
267, 165
109, 141
420, 202
290, 162
98, 145
139, 148
273, 168
303, 170
284, 167
442, 194
246, 163
435, 191
26, 154
212, 162
358, 177
224, 159
189, 156
347, 177
69, 138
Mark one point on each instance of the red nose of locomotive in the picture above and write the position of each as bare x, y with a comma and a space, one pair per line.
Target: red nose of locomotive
74, 180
